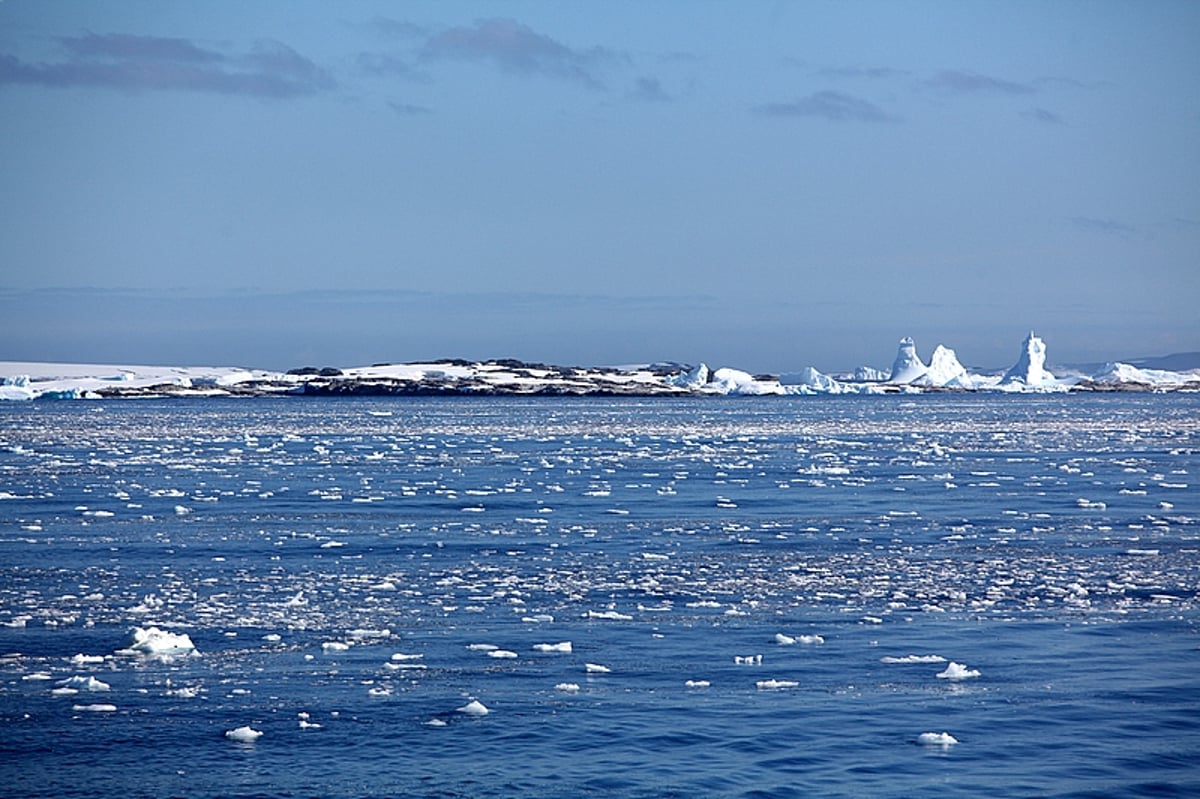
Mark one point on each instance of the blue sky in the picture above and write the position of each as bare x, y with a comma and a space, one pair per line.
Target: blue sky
758, 185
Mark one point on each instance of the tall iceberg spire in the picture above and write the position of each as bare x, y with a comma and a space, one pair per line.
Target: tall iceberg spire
1030, 366
908, 366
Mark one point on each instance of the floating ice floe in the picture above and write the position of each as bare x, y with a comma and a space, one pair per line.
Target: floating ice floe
596, 668
775, 685
245, 734
334, 646
84, 684
567, 687
957, 671
506, 654
748, 660
97, 708
913, 659
697, 684
474, 708
155, 642
86, 660
942, 739
784, 640
563, 647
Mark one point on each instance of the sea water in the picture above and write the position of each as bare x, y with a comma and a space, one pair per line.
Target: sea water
938, 595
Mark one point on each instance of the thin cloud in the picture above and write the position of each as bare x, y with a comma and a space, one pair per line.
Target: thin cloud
126, 62
518, 48
831, 105
650, 90
963, 82
872, 73
407, 110
1109, 227
1043, 116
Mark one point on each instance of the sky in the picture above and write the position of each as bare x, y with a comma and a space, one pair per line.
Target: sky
760, 185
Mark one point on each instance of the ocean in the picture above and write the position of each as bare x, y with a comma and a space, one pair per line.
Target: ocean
897, 596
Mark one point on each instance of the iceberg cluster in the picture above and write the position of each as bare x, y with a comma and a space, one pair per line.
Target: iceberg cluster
909, 373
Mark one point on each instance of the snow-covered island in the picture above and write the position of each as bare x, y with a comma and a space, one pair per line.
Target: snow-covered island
908, 374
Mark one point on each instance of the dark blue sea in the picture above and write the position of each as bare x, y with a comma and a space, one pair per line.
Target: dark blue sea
899, 596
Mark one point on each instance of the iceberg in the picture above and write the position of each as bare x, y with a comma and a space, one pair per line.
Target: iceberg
695, 377
1030, 366
908, 366
945, 371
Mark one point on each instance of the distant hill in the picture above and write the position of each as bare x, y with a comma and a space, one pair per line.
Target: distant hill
1176, 362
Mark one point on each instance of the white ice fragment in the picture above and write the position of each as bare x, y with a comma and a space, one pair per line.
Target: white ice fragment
97, 708
957, 671
775, 685
153, 641
474, 708
567, 687
913, 659
563, 647
506, 654
245, 734
811, 640
697, 684
86, 660
942, 739
334, 646
596, 668
85, 684
785, 640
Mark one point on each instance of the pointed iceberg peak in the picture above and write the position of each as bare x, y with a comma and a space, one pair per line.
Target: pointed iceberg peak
908, 366
1030, 366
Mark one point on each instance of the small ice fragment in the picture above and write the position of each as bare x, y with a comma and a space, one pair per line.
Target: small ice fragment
567, 687
272, 638
84, 684
436, 723
482, 647
785, 640
502, 653
334, 646
99, 708
474, 708
564, 647
812, 640
596, 668
957, 671
913, 659
942, 739
245, 735
84, 660
153, 641
775, 685
697, 684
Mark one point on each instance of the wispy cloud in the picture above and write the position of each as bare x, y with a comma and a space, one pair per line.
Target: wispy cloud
408, 110
963, 82
1043, 116
1109, 227
650, 90
518, 48
872, 73
128, 62
831, 105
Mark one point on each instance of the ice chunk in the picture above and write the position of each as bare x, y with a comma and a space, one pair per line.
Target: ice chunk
245, 735
957, 671
936, 739
474, 708
153, 641
563, 647
945, 371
